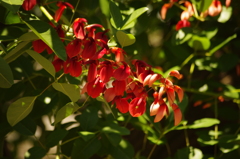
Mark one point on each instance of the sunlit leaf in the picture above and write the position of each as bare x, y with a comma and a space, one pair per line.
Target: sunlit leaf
104, 5
225, 15
199, 43
47, 34
86, 135
46, 64
65, 111
12, 5
124, 150
19, 109
202, 5
70, 90
204, 123
182, 35
125, 39
116, 15
231, 92
115, 128
8, 17
133, 17
6, 76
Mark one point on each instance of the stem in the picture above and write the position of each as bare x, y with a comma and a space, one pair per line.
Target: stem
216, 126
71, 19
67, 141
190, 74
186, 136
47, 14
187, 60
154, 147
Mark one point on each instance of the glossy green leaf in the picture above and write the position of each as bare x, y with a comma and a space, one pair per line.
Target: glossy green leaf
125, 39
26, 127
35, 153
12, 5
45, 63
8, 17
65, 111
88, 119
204, 123
199, 43
55, 136
48, 34
133, 17
6, 76
17, 51
70, 90
116, 15
84, 150
29, 36
104, 5
19, 109
225, 15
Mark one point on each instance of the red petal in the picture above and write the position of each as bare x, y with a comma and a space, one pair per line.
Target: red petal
109, 94
122, 72
119, 87
106, 73
170, 95
73, 48
95, 88
122, 105
39, 46
90, 48
29, 4
161, 112
179, 92
59, 13
78, 28
177, 114
92, 72
154, 108
137, 107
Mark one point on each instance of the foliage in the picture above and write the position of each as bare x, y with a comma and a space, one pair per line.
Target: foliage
101, 79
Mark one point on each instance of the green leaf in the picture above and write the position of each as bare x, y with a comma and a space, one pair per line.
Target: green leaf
182, 35
203, 5
133, 17
85, 150
8, 17
88, 119
48, 34
225, 15
35, 153
65, 111
199, 43
19, 109
86, 135
123, 150
6, 76
29, 36
17, 51
46, 64
113, 139
116, 15
231, 92
70, 90
204, 123
104, 5
12, 5
125, 39
55, 136
26, 127
115, 128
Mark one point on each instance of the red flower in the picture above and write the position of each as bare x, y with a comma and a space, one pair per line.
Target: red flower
74, 48
79, 28
119, 87
177, 114
122, 104
62, 6
106, 71
90, 48
215, 8
73, 66
109, 94
122, 72
119, 53
57, 63
95, 88
92, 71
182, 24
137, 107
39, 46
29, 4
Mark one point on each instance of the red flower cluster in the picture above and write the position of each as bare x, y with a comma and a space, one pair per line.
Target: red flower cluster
214, 9
121, 83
